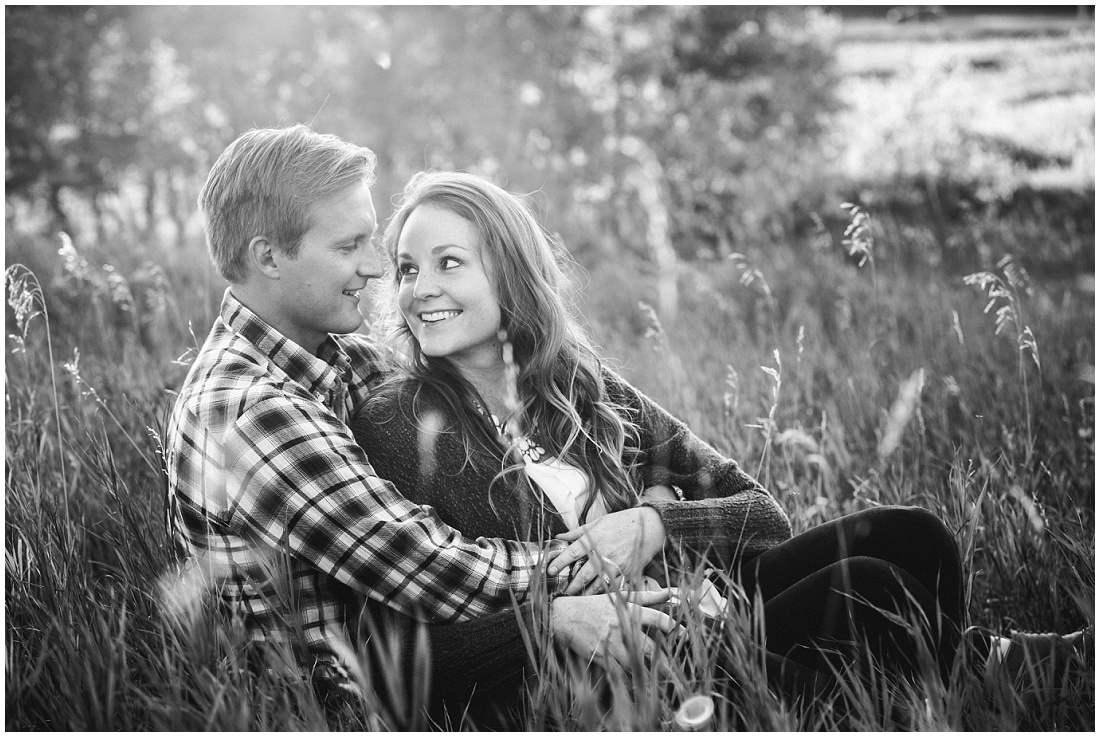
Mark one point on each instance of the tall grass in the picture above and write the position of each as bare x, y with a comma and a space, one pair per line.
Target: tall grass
898, 391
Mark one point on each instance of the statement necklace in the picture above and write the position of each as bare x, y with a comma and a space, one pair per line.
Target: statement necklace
528, 448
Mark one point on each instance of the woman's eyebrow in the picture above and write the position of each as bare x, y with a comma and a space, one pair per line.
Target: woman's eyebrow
435, 249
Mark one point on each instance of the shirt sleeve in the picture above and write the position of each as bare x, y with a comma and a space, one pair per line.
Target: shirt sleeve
298, 482
726, 513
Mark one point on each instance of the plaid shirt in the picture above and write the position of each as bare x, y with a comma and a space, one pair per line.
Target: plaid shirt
279, 510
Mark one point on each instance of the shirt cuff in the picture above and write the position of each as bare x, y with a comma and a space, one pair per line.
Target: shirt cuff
555, 585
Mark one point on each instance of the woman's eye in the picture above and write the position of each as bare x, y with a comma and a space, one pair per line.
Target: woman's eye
406, 270
449, 262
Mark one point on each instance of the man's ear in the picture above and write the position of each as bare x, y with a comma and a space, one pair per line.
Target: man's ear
261, 252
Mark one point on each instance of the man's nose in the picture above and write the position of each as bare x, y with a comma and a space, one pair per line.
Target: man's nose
370, 263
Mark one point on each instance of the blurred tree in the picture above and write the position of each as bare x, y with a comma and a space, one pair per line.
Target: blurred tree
734, 98
216, 72
640, 127
477, 89
67, 120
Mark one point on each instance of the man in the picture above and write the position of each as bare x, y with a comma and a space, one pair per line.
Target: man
268, 491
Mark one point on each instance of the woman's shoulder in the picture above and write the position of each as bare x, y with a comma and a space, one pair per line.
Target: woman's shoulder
397, 389
389, 405
619, 390
403, 401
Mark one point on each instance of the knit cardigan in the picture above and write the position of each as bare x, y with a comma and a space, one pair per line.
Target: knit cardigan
726, 514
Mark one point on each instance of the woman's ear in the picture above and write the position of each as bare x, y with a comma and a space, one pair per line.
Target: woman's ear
261, 254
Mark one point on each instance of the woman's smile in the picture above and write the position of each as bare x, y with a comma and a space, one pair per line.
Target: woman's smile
438, 316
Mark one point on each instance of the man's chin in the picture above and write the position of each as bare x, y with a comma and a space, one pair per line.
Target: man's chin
358, 325
345, 327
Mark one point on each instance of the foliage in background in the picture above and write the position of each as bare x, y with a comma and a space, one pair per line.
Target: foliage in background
608, 110
665, 131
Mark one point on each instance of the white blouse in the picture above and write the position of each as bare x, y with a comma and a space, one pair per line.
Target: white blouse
566, 486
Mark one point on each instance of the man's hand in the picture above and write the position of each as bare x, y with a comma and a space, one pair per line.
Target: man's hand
618, 547
602, 628
661, 491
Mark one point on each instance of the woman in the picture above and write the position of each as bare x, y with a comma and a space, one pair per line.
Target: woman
509, 424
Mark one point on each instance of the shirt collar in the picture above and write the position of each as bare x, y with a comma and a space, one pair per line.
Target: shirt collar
319, 373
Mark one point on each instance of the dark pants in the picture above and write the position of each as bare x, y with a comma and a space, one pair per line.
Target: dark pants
857, 586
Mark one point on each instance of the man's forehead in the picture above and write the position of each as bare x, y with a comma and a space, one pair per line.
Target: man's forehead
352, 208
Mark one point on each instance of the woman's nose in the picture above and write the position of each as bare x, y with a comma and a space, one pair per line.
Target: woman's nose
425, 286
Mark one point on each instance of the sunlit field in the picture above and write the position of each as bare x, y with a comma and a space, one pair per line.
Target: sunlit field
914, 349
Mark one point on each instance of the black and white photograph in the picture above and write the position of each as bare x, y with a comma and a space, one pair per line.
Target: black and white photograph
545, 368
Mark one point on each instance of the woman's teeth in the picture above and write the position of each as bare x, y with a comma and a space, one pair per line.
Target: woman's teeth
439, 316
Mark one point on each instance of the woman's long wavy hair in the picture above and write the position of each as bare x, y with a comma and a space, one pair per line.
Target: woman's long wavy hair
559, 392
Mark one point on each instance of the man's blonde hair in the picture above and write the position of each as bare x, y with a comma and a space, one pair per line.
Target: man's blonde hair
267, 183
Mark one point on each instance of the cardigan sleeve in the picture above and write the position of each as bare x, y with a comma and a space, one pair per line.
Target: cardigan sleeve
726, 513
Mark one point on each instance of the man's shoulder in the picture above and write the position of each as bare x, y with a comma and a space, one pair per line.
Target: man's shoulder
229, 370
228, 354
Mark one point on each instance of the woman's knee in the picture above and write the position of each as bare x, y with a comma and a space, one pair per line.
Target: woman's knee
920, 519
911, 524
897, 517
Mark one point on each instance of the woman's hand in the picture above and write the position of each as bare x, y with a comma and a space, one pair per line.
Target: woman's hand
618, 547
605, 628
